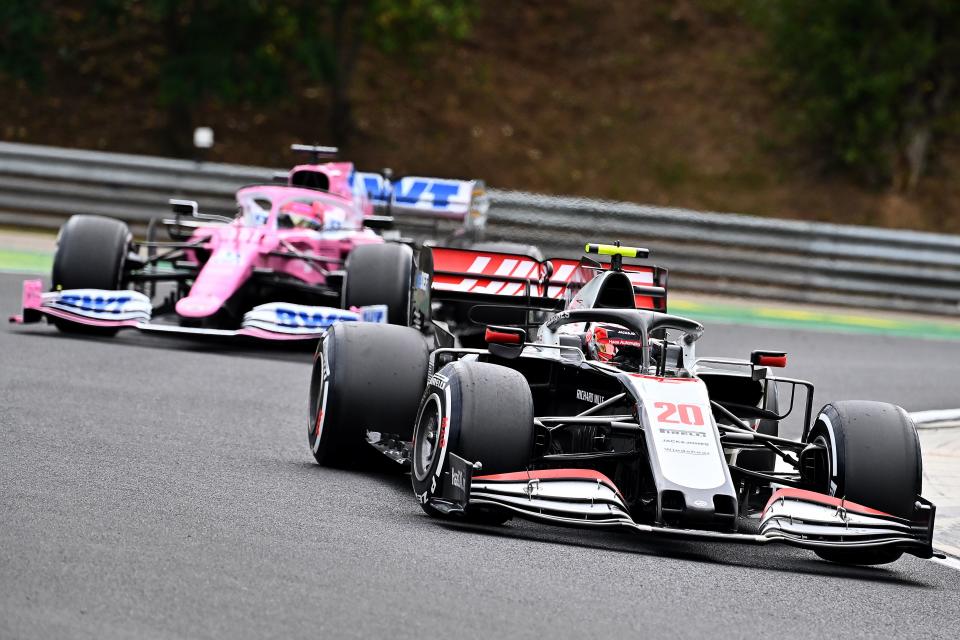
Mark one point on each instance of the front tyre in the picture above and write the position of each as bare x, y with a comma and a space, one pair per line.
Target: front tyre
91, 254
366, 377
481, 412
872, 457
380, 274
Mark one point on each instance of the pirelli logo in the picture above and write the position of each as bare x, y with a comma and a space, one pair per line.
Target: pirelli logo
683, 432
439, 381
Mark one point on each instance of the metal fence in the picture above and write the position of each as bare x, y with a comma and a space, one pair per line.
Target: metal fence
718, 253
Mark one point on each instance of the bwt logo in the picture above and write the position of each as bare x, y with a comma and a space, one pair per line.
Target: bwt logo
113, 304
412, 191
376, 187
290, 318
375, 314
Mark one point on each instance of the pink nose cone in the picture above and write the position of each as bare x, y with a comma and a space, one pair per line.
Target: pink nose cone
198, 306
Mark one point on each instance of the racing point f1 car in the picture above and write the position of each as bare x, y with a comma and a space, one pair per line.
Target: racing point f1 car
603, 416
297, 258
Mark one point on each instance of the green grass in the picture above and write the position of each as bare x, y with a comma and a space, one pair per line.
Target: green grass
854, 321
25, 261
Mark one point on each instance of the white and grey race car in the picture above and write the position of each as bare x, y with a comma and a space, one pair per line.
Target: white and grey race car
601, 415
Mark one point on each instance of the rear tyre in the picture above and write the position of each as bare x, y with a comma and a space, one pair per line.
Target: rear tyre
481, 412
91, 252
380, 274
872, 458
365, 377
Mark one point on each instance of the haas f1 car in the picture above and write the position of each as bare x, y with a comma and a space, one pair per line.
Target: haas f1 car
297, 258
602, 416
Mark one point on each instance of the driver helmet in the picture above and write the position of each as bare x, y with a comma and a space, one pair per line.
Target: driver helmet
604, 341
301, 215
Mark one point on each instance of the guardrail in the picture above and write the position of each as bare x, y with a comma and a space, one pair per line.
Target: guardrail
720, 253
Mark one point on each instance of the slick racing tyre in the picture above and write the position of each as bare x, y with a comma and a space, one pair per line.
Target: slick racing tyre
872, 458
366, 377
380, 274
481, 412
91, 252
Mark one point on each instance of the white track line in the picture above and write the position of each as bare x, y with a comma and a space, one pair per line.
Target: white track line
937, 415
939, 418
949, 561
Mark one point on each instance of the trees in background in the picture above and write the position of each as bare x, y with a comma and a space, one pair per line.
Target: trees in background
872, 83
22, 26
227, 50
869, 85
236, 50
334, 33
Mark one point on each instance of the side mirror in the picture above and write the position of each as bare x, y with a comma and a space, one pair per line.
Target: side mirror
184, 207
190, 208
760, 358
505, 342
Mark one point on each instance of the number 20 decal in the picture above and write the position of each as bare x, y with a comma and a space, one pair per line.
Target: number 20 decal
688, 414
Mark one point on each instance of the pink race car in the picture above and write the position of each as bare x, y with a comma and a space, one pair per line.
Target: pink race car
297, 258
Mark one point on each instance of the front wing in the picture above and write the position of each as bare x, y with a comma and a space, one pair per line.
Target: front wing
587, 498
132, 309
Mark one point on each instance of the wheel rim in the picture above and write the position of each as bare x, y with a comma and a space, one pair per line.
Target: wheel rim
428, 439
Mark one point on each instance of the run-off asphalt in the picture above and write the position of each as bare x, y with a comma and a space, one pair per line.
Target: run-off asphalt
161, 488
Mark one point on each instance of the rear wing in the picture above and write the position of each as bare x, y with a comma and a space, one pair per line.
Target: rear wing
462, 200
512, 279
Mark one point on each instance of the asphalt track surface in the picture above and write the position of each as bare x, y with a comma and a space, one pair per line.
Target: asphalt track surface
162, 488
